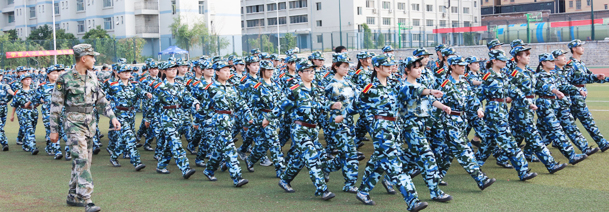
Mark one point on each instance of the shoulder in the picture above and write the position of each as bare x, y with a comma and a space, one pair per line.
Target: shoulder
367, 88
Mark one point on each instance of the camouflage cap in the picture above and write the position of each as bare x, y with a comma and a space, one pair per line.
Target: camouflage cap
411, 60
575, 43
265, 64
316, 56
363, 55
372, 54
304, 64
440, 47
517, 42
546, 57
204, 57
51, 69
220, 64
124, 68
251, 59
183, 62
24, 76
497, 55
231, 57
206, 64
493, 43
289, 52
291, 58
153, 64
255, 51
135, 68
122, 61
170, 64
448, 51
60, 67
274, 57
387, 48
472, 59
382, 60
20, 68
391, 57
558, 52
457, 60
340, 57
238, 60
172, 59
518, 49
421, 52
264, 55
81, 50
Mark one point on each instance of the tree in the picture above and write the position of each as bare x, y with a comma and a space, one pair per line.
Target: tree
289, 41
381, 41
98, 32
267, 45
12, 34
368, 44
197, 35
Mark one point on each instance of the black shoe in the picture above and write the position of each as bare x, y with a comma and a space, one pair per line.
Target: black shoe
162, 171
189, 173
504, 165
360, 144
248, 165
68, 155
361, 157
5, 148
416, 173
96, 150
115, 163
388, 186
475, 143
443, 198
92, 208
365, 139
286, 186
557, 167
242, 182
365, 199
419, 206
19, 143
200, 164
138, 145
58, 156
577, 159
101, 136
210, 177
148, 148
603, 149
73, 201
327, 195
35, 152
487, 183
528, 176
592, 151
443, 183
139, 167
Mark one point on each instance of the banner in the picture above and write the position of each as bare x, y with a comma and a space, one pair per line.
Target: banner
38, 53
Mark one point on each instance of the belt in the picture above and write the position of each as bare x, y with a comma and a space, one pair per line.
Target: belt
265, 110
304, 124
224, 111
171, 107
547, 97
388, 118
456, 113
125, 108
498, 100
28, 107
580, 86
530, 97
79, 109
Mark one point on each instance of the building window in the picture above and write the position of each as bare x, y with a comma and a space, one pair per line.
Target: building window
57, 27
475, 3
442, 23
370, 20
282, 6
386, 21
359, 10
466, 24
80, 5
272, 21
571, 4
318, 23
318, 4
578, 4
454, 9
466, 10
56, 7
369, 4
386, 5
429, 22
41, 9
255, 9
442, 9
298, 4
402, 21
588, 1
401, 6
201, 7
320, 38
9, 2
606, 6
455, 24
255, 23
108, 23
415, 7
282, 20
416, 37
475, 19
11, 17
298, 19
108, 3
429, 8
81, 26
32, 12
271, 7
416, 22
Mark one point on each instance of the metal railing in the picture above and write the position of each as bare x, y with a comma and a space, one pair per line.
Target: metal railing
146, 5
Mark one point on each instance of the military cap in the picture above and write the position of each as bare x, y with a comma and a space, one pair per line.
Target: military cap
316, 56
472, 59
340, 58
363, 55
220, 64
411, 60
517, 42
265, 64
304, 64
387, 48
457, 60
518, 49
440, 47
493, 43
546, 57
81, 50
558, 52
255, 51
421, 52
448, 51
575, 43
497, 55
238, 60
382, 60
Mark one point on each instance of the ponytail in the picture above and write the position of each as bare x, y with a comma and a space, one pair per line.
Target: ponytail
489, 64
359, 64
539, 67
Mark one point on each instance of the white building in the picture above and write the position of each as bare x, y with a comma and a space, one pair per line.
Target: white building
324, 22
149, 19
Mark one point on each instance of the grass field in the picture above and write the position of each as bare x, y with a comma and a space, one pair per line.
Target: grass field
39, 183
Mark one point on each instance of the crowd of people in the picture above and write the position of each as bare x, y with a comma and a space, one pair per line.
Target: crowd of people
418, 113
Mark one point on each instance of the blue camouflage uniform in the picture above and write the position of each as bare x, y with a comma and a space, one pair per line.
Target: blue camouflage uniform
43, 97
28, 116
6, 95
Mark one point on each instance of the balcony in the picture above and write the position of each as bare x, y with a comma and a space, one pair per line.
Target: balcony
146, 7
147, 31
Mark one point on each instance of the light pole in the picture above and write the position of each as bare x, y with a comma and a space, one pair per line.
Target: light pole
54, 36
278, 40
592, 17
340, 24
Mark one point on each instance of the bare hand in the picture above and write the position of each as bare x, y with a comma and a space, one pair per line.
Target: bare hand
583, 93
147, 124
560, 95
54, 137
116, 124
447, 109
149, 95
197, 107
337, 105
480, 114
437, 93
265, 123
195, 126
251, 121
12, 118
27, 104
338, 119
533, 107
508, 100
42, 100
601, 76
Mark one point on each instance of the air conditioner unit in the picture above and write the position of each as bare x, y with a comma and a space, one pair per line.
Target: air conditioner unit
443, 15
373, 11
404, 11
390, 10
